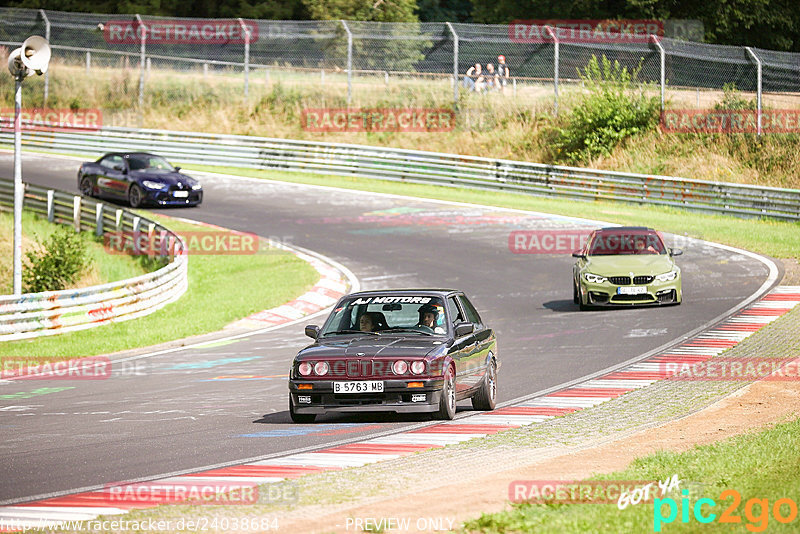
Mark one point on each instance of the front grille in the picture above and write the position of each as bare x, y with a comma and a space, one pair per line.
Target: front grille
620, 280
641, 280
631, 298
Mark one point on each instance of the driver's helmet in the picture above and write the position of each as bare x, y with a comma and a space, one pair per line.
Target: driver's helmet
438, 316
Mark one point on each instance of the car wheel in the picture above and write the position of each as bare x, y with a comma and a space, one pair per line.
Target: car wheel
447, 404
300, 417
581, 305
485, 398
135, 196
87, 189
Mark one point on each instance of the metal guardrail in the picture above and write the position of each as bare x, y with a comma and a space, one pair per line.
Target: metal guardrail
55, 312
427, 167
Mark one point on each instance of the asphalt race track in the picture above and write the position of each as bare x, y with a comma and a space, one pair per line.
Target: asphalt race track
172, 412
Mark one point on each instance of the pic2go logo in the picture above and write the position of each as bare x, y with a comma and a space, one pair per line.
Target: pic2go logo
783, 511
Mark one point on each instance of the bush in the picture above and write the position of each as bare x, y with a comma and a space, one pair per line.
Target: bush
612, 111
60, 263
733, 101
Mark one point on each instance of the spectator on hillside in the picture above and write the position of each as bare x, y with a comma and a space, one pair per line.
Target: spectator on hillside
502, 72
491, 78
473, 80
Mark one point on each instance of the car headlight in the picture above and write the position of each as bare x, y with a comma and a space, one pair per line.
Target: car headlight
304, 368
152, 185
321, 368
418, 367
399, 367
667, 277
195, 187
593, 278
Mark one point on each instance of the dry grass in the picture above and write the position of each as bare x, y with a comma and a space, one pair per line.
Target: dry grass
513, 125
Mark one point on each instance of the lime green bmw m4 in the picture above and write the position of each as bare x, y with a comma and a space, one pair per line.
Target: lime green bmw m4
625, 266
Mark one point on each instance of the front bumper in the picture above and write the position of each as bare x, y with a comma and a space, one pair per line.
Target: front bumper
608, 294
166, 198
396, 397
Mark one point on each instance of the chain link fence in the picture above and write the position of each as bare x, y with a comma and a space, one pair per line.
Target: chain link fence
355, 57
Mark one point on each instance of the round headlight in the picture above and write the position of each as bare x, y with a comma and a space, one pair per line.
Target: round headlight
418, 367
400, 367
304, 368
321, 368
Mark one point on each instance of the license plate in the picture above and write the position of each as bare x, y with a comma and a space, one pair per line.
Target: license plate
358, 387
631, 290
180, 194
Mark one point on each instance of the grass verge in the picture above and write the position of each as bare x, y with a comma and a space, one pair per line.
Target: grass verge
773, 238
35, 230
761, 465
216, 296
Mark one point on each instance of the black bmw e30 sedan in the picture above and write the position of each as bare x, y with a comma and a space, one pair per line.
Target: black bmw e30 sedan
139, 178
404, 351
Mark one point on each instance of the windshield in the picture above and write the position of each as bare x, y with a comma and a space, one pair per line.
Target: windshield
607, 243
417, 315
140, 162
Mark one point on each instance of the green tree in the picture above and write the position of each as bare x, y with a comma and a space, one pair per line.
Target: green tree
367, 10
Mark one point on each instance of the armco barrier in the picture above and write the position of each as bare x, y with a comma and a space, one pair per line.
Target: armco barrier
54, 312
427, 167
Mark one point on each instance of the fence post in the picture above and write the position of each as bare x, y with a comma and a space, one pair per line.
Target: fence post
98, 219
266, 76
205, 71
349, 62
246, 33
142, 39
51, 205
118, 219
455, 64
47, 73
552, 35
322, 76
88, 61
758, 96
661, 54
76, 212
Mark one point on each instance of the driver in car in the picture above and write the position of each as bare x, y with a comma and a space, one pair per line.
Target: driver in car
427, 317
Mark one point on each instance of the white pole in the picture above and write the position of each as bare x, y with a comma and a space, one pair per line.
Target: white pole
19, 190
758, 81
246, 32
349, 62
46, 74
552, 35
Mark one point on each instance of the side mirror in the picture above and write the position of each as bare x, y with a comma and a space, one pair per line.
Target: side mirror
177, 169
312, 331
675, 251
464, 329
578, 254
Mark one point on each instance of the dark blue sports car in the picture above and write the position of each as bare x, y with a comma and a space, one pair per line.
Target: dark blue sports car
139, 178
